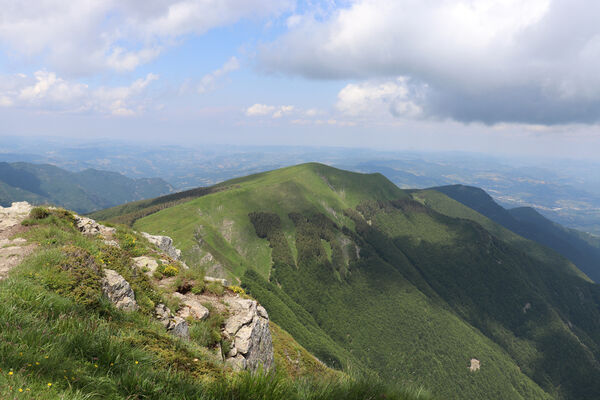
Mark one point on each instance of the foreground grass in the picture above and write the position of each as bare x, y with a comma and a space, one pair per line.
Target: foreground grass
54, 345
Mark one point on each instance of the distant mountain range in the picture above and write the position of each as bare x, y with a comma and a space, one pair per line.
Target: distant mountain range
579, 247
84, 191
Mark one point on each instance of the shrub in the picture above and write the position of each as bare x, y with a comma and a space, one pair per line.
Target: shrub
38, 213
237, 289
169, 270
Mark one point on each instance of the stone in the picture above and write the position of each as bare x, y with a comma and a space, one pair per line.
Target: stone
262, 312
242, 313
13, 215
248, 328
237, 363
118, 291
164, 243
147, 264
260, 351
475, 365
179, 327
163, 314
210, 279
88, 226
192, 308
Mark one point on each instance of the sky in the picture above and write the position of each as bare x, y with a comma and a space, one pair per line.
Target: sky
492, 76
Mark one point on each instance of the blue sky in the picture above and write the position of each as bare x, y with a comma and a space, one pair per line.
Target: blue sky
496, 76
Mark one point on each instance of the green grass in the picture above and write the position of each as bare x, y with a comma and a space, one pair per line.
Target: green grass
60, 339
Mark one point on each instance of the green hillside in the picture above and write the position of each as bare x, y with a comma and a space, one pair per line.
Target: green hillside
365, 276
84, 191
61, 338
580, 248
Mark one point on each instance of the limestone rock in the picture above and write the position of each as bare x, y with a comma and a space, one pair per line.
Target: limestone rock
248, 328
179, 327
164, 243
163, 314
242, 313
175, 325
118, 291
193, 308
237, 363
13, 215
88, 226
210, 279
475, 365
146, 263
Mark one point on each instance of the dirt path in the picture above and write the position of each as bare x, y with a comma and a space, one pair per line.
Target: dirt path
13, 251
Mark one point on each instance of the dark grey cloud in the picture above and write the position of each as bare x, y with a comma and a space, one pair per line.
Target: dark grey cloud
534, 61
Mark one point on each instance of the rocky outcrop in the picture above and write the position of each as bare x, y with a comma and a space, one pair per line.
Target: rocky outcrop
475, 365
118, 291
164, 243
173, 324
191, 308
88, 226
248, 329
13, 215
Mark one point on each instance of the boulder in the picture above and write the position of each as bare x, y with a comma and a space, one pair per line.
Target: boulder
175, 325
248, 328
88, 226
13, 215
145, 263
179, 327
164, 243
118, 291
193, 308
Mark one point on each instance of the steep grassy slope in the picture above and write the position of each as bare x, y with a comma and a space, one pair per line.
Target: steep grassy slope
83, 191
350, 264
60, 339
525, 221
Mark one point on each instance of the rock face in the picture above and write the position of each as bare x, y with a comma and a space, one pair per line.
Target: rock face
118, 291
175, 325
248, 329
13, 215
165, 244
88, 226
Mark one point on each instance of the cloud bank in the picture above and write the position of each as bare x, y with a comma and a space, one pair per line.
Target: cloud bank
490, 61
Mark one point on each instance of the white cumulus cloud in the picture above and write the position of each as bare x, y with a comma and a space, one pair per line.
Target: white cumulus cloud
86, 36
480, 60
45, 91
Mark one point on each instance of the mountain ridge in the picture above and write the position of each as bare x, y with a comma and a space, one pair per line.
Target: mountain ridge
289, 235
530, 224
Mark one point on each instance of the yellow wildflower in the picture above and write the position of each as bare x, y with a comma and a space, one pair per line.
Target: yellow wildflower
10, 373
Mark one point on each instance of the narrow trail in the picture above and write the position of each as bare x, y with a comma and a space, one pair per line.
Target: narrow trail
13, 251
